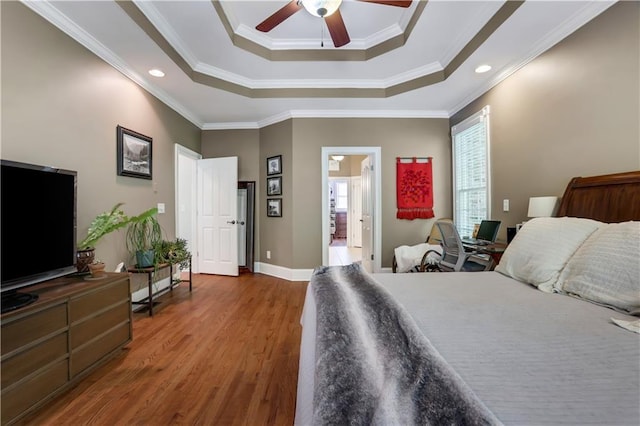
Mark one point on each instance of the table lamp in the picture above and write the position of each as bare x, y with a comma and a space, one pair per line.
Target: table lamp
542, 206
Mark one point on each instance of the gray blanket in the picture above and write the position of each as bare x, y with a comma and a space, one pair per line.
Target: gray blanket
373, 364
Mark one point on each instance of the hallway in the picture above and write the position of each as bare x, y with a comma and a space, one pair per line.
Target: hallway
340, 254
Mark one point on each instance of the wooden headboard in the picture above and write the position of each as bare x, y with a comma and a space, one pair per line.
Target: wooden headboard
607, 198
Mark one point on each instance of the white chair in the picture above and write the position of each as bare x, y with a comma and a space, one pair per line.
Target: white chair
455, 257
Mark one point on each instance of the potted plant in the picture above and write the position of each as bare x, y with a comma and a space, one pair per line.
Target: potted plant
175, 252
102, 225
97, 268
143, 235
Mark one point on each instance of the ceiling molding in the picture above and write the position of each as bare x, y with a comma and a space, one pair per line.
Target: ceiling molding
569, 26
378, 114
64, 24
382, 42
231, 82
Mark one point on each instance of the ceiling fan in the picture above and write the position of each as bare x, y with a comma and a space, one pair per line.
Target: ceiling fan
329, 10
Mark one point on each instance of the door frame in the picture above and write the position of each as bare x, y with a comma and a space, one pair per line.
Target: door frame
250, 186
375, 152
190, 211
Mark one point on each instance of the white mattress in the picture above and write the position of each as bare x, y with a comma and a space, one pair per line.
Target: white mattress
533, 358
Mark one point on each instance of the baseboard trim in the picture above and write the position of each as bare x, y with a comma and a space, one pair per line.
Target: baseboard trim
292, 274
282, 272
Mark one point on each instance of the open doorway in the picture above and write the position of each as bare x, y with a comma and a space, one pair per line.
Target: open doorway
345, 201
344, 240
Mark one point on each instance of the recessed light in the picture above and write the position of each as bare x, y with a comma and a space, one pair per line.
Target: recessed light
156, 73
483, 68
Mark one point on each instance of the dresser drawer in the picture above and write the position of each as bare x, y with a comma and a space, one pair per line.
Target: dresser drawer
22, 397
85, 305
94, 326
24, 363
36, 325
92, 352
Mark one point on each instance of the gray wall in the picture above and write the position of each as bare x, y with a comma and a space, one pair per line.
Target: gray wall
397, 138
61, 105
573, 111
295, 240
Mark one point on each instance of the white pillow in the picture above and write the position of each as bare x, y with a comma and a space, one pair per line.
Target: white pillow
606, 268
542, 247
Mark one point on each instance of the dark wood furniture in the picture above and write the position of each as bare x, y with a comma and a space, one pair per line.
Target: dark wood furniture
151, 273
608, 198
494, 250
49, 345
341, 225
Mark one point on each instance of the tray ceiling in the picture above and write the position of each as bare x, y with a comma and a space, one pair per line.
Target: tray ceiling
220, 72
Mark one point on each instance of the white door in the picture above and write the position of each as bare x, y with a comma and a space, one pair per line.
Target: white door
356, 212
367, 214
218, 216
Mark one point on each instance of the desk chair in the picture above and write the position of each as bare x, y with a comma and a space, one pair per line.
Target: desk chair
455, 257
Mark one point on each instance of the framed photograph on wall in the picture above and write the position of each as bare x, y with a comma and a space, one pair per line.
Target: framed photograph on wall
274, 207
274, 165
134, 154
274, 186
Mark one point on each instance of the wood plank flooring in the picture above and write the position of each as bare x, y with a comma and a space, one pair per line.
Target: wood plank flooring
226, 354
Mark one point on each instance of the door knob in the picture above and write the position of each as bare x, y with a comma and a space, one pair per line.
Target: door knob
241, 223
233, 222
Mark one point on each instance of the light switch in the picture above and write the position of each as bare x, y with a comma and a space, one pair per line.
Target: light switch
505, 205
160, 208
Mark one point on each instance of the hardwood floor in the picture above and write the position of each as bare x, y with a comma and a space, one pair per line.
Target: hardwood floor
226, 354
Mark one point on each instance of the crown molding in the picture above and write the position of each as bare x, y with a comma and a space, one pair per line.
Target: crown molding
325, 114
54, 16
569, 26
161, 24
270, 43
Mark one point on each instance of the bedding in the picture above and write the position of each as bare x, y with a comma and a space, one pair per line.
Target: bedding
542, 247
376, 366
529, 356
606, 268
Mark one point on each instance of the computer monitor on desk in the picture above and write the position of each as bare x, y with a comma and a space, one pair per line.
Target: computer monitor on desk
487, 233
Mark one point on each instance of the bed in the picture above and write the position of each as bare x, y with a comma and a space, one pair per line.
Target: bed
547, 338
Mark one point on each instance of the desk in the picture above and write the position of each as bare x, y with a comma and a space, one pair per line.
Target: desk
150, 271
495, 250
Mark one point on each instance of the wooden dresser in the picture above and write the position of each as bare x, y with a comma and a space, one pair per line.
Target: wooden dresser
341, 225
49, 345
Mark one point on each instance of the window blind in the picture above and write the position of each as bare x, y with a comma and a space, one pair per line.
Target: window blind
471, 172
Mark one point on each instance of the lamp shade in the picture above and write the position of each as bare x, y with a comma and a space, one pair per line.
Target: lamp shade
542, 206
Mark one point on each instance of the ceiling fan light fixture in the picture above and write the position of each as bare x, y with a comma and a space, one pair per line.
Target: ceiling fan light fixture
321, 8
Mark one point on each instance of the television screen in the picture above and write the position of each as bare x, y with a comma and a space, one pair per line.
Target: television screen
38, 229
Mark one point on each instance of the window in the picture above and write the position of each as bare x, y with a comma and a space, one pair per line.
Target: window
341, 195
471, 182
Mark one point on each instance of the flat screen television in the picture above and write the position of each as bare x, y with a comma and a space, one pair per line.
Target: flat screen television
38, 228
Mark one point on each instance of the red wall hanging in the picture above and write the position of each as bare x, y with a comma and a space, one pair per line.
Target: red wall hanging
414, 188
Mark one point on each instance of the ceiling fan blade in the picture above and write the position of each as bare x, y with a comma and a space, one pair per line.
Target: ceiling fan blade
397, 3
272, 21
337, 29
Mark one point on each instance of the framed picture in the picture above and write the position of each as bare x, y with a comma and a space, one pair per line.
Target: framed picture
134, 154
274, 165
274, 186
274, 207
